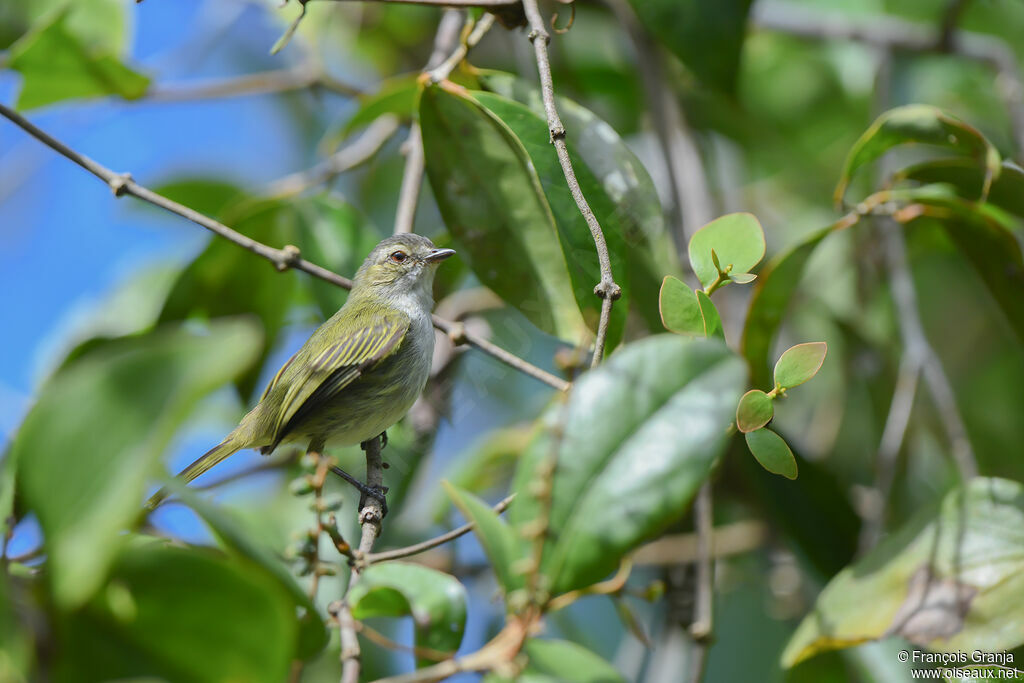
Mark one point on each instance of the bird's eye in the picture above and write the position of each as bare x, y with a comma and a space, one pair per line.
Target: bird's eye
398, 256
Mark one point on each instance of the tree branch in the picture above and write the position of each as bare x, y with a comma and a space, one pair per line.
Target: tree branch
919, 350
371, 514
703, 622
412, 175
606, 289
691, 199
265, 83
417, 548
122, 184
356, 153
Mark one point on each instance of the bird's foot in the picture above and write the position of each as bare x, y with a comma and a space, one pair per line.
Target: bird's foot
375, 492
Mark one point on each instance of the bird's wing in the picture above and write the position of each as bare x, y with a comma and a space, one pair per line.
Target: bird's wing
325, 375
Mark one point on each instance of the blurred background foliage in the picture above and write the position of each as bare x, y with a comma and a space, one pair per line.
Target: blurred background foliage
140, 340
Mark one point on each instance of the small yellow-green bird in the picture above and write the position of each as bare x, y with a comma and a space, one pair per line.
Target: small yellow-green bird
358, 373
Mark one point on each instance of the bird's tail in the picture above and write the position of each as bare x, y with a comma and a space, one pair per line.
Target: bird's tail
205, 462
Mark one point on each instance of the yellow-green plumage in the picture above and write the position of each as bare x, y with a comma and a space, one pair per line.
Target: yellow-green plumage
359, 372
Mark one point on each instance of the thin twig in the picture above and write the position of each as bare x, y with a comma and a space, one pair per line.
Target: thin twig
382, 640
606, 289
445, 39
417, 548
893, 435
703, 622
122, 184
898, 34
916, 344
265, 83
950, 18
357, 152
687, 179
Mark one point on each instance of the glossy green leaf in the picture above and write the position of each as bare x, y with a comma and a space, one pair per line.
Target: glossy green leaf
772, 451
502, 545
799, 363
87, 446
1007, 190
312, 635
712, 320
564, 660
950, 582
742, 278
754, 411
919, 123
650, 252
503, 227
179, 614
57, 65
738, 241
680, 310
640, 432
773, 293
227, 280
576, 240
706, 36
436, 602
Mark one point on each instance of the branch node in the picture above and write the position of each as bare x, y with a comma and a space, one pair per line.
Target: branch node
607, 289
457, 333
557, 132
539, 33
119, 183
288, 257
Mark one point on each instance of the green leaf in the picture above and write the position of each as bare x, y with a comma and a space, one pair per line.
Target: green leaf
680, 310
712, 321
436, 602
638, 433
638, 215
687, 312
1007, 190
949, 582
742, 278
96, 431
738, 241
773, 293
576, 240
706, 36
16, 647
501, 544
567, 661
799, 363
919, 123
227, 280
312, 635
754, 411
772, 451
180, 614
503, 227
57, 65
207, 195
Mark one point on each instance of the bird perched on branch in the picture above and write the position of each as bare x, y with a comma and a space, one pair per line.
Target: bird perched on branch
358, 373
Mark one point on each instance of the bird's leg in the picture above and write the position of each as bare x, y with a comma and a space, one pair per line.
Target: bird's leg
383, 440
365, 490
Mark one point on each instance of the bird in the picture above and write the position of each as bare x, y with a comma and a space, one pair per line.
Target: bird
357, 374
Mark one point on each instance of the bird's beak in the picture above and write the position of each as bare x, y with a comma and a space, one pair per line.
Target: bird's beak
438, 255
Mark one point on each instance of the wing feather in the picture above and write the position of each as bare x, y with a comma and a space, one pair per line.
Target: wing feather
328, 373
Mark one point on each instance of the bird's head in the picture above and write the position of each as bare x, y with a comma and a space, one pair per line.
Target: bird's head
401, 265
